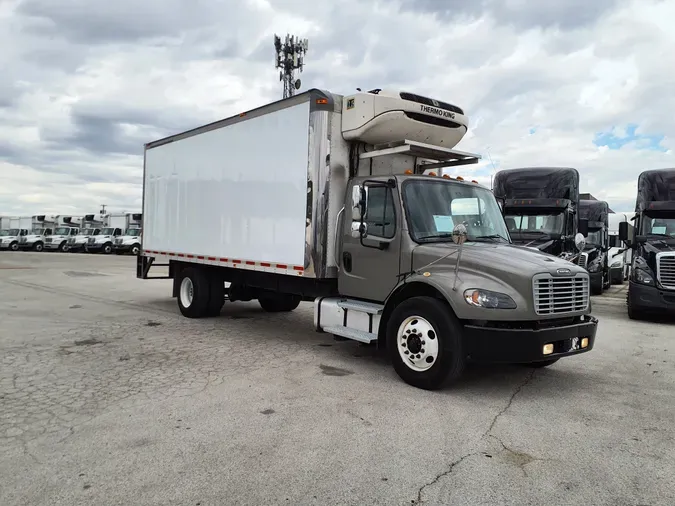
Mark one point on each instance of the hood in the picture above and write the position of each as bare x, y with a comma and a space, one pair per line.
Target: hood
659, 246
498, 260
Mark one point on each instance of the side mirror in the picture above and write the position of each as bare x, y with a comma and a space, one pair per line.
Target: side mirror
359, 229
623, 231
583, 227
580, 241
459, 234
640, 239
359, 202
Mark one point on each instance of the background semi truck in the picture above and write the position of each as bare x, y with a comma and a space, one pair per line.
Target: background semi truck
619, 254
540, 206
652, 281
340, 201
594, 215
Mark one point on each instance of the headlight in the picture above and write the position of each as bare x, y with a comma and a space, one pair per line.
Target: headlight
487, 299
643, 277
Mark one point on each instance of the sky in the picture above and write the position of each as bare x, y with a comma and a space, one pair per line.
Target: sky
85, 83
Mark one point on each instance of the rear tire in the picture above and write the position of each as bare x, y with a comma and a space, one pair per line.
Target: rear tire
193, 293
216, 296
426, 327
279, 302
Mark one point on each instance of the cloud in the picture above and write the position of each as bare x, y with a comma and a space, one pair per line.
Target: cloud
86, 83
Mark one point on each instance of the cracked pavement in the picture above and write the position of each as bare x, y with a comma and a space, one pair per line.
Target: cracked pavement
108, 396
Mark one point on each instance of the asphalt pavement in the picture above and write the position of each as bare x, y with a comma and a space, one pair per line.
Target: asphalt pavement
109, 397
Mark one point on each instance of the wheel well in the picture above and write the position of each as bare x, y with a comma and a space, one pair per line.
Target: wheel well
405, 292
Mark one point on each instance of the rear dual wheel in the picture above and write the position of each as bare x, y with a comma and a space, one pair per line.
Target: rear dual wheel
200, 295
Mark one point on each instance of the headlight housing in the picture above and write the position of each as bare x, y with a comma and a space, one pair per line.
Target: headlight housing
643, 277
488, 299
595, 265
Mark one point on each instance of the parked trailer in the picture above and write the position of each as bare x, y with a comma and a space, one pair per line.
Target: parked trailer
17, 227
333, 199
652, 282
115, 225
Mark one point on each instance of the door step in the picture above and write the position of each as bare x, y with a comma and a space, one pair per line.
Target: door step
356, 335
364, 307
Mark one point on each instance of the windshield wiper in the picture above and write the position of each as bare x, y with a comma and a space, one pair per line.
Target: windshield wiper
442, 235
491, 236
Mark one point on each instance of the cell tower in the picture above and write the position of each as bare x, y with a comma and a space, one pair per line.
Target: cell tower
289, 58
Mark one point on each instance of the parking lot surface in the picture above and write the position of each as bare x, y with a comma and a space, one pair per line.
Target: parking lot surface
108, 396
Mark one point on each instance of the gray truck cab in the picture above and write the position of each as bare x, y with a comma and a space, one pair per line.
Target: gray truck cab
432, 260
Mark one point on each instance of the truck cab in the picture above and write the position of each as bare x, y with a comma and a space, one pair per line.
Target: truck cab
90, 227
10, 238
129, 242
595, 226
540, 208
42, 227
652, 241
619, 254
67, 228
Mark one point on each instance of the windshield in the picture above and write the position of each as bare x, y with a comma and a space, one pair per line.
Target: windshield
539, 224
594, 238
107, 231
435, 207
659, 226
11, 231
62, 231
133, 231
614, 241
87, 231
37, 231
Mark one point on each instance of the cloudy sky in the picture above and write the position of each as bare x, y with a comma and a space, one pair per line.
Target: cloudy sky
84, 83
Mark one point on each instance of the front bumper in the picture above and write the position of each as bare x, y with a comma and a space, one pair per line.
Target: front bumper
512, 345
649, 299
53, 246
122, 248
4, 245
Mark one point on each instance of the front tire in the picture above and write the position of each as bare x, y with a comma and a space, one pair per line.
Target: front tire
424, 340
633, 312
193, 293
38, 246
14, 246
107, 248
135, 249
597, 288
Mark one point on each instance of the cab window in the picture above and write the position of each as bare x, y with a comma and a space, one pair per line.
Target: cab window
381, 215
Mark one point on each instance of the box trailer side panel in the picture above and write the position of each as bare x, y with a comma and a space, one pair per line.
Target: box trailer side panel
237, 193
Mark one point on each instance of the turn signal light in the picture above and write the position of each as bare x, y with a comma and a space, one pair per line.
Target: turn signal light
321, 100
408, 172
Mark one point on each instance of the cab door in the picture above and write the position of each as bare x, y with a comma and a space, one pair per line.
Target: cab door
370, 265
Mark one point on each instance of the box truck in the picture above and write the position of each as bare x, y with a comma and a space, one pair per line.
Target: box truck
342, 201
42, 227
652, 241
115, 225
66, 228
91, 226
17, 228
130, 240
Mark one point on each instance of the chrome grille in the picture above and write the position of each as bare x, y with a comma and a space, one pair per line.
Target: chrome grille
560, 294
582, 260
665, 269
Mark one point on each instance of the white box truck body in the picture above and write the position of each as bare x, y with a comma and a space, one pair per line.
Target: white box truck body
342, 201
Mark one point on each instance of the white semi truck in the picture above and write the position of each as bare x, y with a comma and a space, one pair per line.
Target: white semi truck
66, 228
17, 228
42, 228
339, 201
91, 227
115, 226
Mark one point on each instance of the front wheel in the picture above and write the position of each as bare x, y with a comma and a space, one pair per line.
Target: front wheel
107, 248
424, 340
38, 246
14, 246
135, 249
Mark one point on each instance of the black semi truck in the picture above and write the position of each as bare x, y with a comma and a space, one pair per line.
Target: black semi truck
540, 208
594, 220
652, 279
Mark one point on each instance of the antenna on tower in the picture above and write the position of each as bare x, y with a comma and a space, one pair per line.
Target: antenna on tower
290, 56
